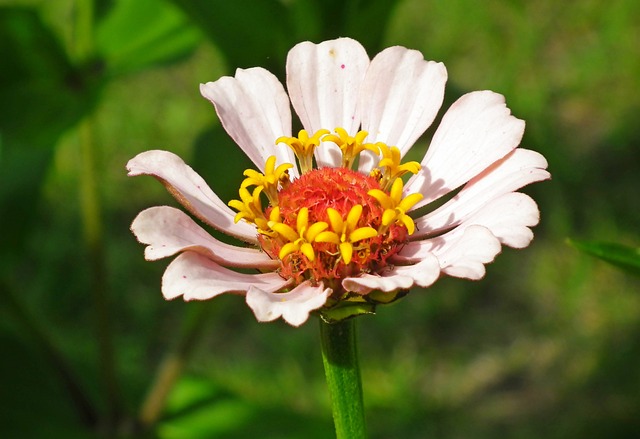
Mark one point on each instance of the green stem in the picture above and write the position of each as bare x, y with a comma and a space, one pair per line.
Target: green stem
340, 358
83, 49
94, 242
172, 367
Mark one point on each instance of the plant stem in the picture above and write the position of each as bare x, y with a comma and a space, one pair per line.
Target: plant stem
94, 242
83, 49
340, 358
172, 366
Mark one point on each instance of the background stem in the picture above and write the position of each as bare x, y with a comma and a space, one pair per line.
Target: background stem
173, 365
340, 358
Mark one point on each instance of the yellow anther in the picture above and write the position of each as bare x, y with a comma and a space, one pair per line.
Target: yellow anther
350, 146
249, 207
345, 232
393, 168
270, 180
301, 238
303, 147
395, 207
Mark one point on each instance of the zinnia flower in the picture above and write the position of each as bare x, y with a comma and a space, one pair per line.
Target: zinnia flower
347, 225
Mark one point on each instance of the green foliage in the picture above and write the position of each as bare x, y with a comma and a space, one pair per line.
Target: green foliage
43, 94
622, 256
543, 347
143, 33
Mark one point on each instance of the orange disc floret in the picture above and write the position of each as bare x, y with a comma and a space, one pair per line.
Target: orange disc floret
344, 192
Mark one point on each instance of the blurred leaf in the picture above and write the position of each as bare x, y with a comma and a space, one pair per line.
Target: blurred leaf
622, 256
43, 95
248, 32
366, 21
33, 405
143, 33
199, 407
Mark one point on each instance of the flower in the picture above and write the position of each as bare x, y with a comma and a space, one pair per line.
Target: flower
342, 236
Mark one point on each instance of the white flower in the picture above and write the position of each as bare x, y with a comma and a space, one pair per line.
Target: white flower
343, 238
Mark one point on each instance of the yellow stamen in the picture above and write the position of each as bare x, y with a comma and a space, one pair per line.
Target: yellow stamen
300, 239
303, 147
395, 207
249, 207
346, 233
350, 146
393, 168
270, 180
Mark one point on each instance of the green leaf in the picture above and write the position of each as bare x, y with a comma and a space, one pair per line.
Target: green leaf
346, 309
364, 21
43, 94
622, 256
143, 33
249, 33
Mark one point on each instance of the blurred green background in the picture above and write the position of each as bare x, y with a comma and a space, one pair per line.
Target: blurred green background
547, 345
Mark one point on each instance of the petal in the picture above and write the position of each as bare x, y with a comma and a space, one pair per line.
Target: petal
294, 306
323, 82
508, 218
196, 277
462, 252
191, 191
475, 132
399, 99
519, 168
423, 274
254, 110
168, 231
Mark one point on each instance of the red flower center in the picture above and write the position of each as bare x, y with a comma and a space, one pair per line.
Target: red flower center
340, 189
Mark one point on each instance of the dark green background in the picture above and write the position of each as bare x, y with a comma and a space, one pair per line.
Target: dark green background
547, 345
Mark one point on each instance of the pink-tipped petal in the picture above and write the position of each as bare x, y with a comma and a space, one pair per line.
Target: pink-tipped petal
476, 131
399, 99
254, 109
423, 274
196, 277
461, 252
323, 81
294, 306
168, 231
191, 191
519, 168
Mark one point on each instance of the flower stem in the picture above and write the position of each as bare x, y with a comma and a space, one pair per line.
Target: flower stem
340, 358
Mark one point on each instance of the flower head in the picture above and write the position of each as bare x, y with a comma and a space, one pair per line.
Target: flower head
348, 225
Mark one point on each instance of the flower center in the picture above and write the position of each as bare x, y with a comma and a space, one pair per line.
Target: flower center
335, 200
330, 223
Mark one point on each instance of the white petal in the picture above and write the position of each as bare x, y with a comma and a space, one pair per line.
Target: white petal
196, 277
475, 132
508, 218
399, 99
294, 306
423, 274
461, 252
191, 191
254, 109
519, 168
323, 82
168, 231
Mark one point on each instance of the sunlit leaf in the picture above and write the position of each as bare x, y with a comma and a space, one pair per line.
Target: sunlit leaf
143, 33
622, 256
